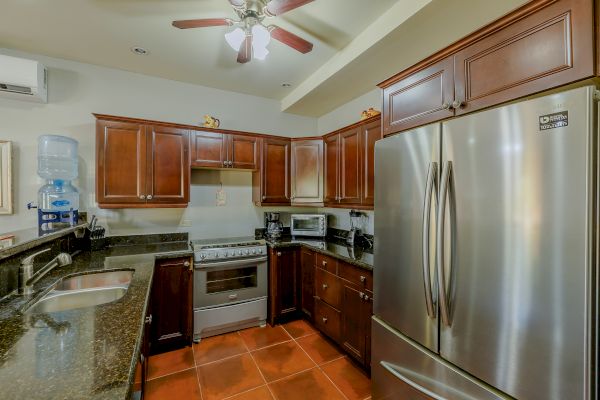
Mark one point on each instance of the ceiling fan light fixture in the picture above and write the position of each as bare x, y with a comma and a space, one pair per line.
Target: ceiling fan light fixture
260, 53
261, 36
235, 38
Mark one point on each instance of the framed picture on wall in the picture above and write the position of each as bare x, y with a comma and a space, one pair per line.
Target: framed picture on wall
5, 177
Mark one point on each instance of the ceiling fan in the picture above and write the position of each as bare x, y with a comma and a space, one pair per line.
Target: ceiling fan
250, 37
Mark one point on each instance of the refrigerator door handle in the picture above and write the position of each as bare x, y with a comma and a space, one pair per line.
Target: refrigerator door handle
429, 188
444, 186
389, 367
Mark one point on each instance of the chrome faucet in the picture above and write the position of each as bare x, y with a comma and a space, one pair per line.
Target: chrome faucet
26, 276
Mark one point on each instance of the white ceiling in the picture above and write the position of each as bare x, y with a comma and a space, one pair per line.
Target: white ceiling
357, 43
102, 32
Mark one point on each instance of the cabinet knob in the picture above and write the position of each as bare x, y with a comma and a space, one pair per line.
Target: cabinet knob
446, 106
324, 320
324, 262
142, 197
149, 319
366, 297
186, 264
278, 254
325, 286
264, 197
149, 197
363, 278
457, 104
361, 295
230, 163
224, 163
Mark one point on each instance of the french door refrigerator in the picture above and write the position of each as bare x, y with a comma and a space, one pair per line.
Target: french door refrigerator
485, 255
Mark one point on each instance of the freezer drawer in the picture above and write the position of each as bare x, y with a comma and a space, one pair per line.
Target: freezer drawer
402, 369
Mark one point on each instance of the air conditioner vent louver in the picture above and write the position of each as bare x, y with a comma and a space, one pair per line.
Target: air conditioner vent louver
15, 89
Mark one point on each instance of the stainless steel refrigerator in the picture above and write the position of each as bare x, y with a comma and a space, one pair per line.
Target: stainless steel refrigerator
485, 255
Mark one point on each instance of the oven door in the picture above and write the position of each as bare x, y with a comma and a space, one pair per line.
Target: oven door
228, 282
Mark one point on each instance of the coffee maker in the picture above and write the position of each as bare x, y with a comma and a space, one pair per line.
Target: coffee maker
273, 225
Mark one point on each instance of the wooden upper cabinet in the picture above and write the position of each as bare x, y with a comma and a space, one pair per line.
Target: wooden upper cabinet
331, 152
168, 174
420, 98
370, 133
350, 182
271, 183
242, 151
120, 162
209, 149
548, 48
307, 171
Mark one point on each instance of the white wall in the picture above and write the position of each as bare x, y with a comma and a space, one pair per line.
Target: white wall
77, 90
350, 112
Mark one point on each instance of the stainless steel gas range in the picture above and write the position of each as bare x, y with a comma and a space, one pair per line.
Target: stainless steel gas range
230, 285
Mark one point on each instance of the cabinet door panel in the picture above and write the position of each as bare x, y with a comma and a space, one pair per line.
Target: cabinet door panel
243, 151
327, 319
208, 149
353, 329
120, 162
350, 167
275, 182
546, 49
331, 152
328, 287
308, 260
171, 305
420, 98
169, 166
370, 134
307, 171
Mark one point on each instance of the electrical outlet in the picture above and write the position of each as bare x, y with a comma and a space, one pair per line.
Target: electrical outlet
186, 223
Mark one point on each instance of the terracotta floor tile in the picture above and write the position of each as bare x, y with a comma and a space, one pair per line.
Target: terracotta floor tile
312, 384
260, 393
299, 328
228, 377
318, 348
258, 337
180, 386
168, 363
218, 347
348, 378
281, 360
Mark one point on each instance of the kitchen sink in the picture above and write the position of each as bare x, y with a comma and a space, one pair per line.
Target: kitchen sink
72, 299
100, 279
84, 291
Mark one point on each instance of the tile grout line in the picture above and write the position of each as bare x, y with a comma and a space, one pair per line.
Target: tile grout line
256, 365
169, 374
196, 370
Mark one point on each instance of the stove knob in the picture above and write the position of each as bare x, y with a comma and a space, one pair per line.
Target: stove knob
260, 251
217, 255
253, 251
246, 252
240, 252
202, 256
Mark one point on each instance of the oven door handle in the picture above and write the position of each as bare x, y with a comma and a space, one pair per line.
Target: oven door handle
229, 263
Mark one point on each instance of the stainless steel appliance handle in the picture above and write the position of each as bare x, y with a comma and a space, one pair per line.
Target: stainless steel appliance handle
230, 263
429, 185
392, 370
444, 185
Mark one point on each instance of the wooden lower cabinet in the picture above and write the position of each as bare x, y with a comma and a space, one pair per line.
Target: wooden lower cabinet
171, 326
327, 319
284, 284
357, 308
307, 271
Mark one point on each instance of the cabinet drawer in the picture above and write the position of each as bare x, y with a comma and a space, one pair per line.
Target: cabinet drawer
327, 263
327, 319
328, 287
360, 277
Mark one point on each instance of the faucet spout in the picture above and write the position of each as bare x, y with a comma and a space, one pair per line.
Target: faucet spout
26, 277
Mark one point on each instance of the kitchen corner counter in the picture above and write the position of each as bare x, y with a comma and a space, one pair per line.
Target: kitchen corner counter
86, 353
357, 256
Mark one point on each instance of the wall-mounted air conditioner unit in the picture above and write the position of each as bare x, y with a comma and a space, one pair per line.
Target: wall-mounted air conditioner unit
23, 79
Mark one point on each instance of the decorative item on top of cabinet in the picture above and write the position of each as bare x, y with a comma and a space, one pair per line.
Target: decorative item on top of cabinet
171, 326
307, 171
284, 284
215, 149
271, 183
541, 45
140, 164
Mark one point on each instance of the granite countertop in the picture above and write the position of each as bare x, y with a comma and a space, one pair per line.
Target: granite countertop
357, 256
86, 353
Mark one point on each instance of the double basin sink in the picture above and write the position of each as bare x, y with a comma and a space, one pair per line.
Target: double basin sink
84, 291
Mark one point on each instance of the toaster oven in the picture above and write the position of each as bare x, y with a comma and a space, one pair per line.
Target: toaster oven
314, 225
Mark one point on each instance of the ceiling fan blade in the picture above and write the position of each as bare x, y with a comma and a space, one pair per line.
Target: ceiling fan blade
245, 53
286, 37
278, 7
201, 23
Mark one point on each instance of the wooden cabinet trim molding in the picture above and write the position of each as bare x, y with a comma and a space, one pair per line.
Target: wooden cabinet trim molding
462, 43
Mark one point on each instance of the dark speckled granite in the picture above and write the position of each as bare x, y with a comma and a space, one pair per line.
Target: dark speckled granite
87, 353
357, 256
